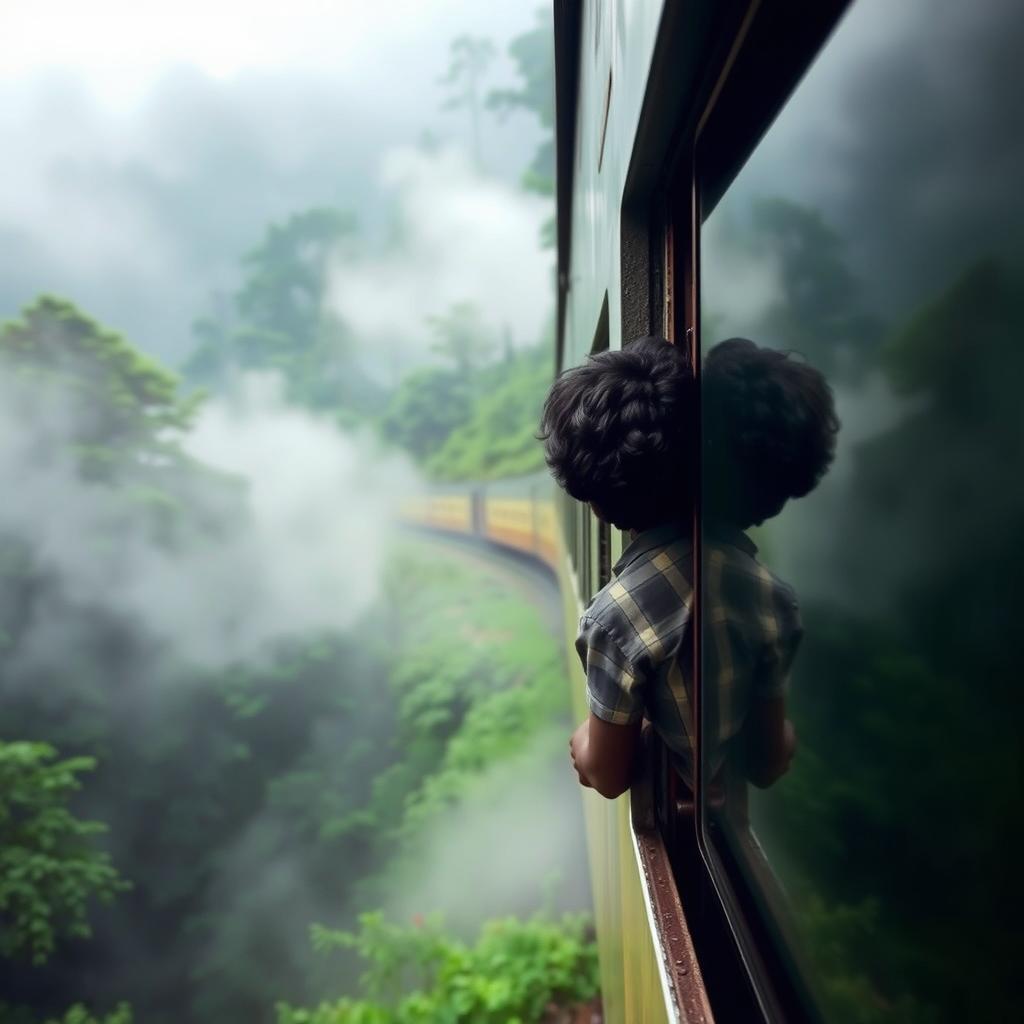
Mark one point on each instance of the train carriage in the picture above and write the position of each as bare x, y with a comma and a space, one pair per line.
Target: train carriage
840, 180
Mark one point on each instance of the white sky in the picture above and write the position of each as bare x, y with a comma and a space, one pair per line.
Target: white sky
150, 144
122, 46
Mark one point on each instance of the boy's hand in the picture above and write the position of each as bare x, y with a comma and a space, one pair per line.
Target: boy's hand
770, 742
603, 755
577, 743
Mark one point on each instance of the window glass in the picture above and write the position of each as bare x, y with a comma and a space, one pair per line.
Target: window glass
876, 233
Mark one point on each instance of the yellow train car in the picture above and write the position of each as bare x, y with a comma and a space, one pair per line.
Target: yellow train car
450, 510
519, 513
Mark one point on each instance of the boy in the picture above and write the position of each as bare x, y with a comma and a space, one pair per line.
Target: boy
619, 434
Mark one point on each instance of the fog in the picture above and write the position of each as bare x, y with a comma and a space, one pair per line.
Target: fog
878, 232
144, 161
900, 162
505, 850
206, 594
307, 553
459, 237
885, 132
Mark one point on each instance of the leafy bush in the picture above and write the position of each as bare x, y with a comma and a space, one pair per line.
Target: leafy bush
49, 866
78, 1014
419, 975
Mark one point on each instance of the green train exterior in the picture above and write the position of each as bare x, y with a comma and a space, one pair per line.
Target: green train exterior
840, 180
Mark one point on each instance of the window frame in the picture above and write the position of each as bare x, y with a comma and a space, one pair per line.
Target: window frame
753, 87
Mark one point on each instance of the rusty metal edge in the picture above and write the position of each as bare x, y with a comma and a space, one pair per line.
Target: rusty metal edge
686, 999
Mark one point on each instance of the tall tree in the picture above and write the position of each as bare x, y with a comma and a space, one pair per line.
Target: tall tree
283, 320
286, 276
469, 58
121, 407
533, 53
821, 311
461, 336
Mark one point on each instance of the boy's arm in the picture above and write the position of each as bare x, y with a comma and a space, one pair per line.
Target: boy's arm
603, 747
603, 754
770, 741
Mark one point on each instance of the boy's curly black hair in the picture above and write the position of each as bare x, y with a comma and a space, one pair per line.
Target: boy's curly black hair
618, 433
770, 426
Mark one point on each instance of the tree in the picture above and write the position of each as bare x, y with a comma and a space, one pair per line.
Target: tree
79, 1014
121, 406
819, 313
427, 406
49, 866
499, 435
469, 57
919, 649
286, 276
460, 335
283, 319
534, 55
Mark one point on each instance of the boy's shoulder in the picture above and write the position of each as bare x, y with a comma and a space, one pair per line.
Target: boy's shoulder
732, 565
760, 607
647, 601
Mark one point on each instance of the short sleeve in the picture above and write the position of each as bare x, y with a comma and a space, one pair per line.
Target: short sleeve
781, 633
614, 688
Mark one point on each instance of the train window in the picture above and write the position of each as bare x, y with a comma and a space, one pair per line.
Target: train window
604, 554
602, 540
568, 509
586, 570
875, 234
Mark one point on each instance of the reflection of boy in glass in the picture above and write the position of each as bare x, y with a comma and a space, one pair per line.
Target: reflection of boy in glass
769, 427
619, 434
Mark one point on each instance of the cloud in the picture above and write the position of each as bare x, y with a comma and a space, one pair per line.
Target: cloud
459, 237
133, 186
305, 552
740, 283
123, 46
514, 841
140, 215
900, 135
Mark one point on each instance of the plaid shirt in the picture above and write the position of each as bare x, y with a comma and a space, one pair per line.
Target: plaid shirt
636, 642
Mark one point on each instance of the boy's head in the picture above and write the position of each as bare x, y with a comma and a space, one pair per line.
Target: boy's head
618, 434
770, 428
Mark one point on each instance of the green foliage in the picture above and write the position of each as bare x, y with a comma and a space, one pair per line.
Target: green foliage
282, 320
467, 677
819, 313
907, 774
284, 287
460, 335
469, 694
533, 53
427, 407
120, 405
419, 975
478, 425
499, 436
78, 1014
50, 867
469, 57
934, 353
238, 791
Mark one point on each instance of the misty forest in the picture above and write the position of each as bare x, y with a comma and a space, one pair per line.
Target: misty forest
261, 742
252, 731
